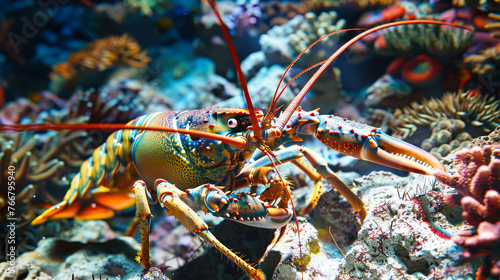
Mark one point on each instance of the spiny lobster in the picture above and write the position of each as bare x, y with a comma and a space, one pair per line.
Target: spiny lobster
198, 159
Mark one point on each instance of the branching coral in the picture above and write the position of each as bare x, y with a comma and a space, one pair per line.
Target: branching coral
418, 38
478, 184
476, 110
105, 53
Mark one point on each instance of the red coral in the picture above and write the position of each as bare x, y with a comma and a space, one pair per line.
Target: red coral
478, 184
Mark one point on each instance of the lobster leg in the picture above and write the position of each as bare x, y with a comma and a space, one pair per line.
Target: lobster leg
321, 166
316, 173
170, 199
144, 215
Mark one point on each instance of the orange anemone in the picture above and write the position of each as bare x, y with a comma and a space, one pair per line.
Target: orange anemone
422, 69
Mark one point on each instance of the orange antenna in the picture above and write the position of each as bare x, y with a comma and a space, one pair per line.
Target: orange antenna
298, 99
232, 51
238, 142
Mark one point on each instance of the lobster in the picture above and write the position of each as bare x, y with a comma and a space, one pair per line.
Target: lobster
189, 160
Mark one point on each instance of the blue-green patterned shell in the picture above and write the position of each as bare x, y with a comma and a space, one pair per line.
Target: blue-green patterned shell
188, 161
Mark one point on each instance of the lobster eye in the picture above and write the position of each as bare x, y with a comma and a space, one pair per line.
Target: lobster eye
232, 123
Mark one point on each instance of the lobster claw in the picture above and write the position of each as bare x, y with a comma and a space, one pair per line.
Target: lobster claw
364, 142
383, 149
239, 207
249, 210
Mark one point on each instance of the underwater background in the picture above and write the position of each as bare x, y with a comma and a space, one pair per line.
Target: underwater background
84, 61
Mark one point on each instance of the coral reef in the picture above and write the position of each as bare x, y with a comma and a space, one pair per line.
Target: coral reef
91, 248
398, 238
283, 261
477, 181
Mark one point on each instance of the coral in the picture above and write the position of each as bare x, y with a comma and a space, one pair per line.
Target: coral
276, 13
193, 84
244, 17
146, 6
477, 181
396, 239
447, 136
387, 91
361, 4
423, 38
283, 260
476, 110
30, 272
99, 254
334, 216
485, 64
282, 43
105, 53
152, 273
491, 139
493, 27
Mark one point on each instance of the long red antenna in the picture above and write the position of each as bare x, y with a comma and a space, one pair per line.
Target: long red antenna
238, 142
232, 51
285, 117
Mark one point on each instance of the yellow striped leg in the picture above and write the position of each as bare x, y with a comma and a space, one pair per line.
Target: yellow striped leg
144, 215
321, 166
170, 199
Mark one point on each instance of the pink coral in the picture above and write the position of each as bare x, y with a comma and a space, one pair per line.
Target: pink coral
478, 184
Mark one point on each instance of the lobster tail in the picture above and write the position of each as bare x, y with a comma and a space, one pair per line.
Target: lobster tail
100, 188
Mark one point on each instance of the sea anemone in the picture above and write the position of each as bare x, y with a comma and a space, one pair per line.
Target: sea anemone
476, 110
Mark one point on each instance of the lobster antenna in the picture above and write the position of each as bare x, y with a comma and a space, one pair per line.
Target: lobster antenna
232, 51
253, 117
238, 142
276, 95
285, 117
